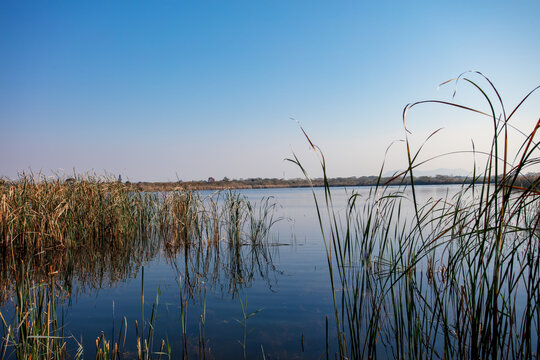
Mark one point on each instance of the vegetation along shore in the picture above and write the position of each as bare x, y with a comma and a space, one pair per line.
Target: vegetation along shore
456, 277
268, 183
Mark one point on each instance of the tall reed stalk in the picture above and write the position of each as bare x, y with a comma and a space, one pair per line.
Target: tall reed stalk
38, 213
458, 279
94, 232
36, 331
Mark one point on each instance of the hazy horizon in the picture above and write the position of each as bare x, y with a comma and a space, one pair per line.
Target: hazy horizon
160, 91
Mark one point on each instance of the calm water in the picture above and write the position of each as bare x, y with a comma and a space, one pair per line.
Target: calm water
288, 286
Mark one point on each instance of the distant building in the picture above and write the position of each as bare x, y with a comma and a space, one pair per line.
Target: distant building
211, 179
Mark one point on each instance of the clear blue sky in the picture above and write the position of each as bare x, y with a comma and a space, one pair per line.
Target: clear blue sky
156, 90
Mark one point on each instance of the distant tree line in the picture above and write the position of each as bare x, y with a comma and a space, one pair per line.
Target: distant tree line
258, 183
531, 180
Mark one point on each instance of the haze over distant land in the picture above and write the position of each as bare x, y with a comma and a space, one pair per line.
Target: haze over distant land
166, 91
435, 172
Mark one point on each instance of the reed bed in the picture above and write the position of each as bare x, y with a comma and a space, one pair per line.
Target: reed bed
92, 231
460, 278
43, 214
230, 245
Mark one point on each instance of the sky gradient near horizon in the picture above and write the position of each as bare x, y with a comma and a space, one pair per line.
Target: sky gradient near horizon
165, 90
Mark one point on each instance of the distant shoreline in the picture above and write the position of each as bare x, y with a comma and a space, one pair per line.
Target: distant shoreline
259, 183
525, 181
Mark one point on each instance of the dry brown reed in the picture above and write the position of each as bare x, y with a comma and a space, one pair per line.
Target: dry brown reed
55, 214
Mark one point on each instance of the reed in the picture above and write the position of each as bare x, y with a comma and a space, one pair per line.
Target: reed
95, 232
37, 213
230, 246
460, 277
179, 219
36, 331
243, 322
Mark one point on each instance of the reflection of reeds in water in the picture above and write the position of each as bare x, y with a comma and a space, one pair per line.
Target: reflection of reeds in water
90, 229
95, 230
460, 279
89, 269
37, 331
229, 245
92, 232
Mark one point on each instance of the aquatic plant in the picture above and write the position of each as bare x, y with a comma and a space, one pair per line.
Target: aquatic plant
243, 322
38, 213
458, 279
36, 331
232, 245
93, 232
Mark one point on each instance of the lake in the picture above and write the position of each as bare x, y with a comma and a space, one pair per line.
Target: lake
274, 302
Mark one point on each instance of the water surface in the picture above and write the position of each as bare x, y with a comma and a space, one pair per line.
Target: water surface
287, 286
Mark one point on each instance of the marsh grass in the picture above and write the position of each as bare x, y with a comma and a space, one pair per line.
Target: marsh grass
231, 245
460, 278
96, 229
95, 232
55, 214
78, 269
244, 323
37, 330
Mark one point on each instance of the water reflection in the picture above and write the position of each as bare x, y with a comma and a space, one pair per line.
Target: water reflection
223, 266
221, 240
88, 268
231, 247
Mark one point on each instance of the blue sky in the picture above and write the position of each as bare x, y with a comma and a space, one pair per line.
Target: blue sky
159, 90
